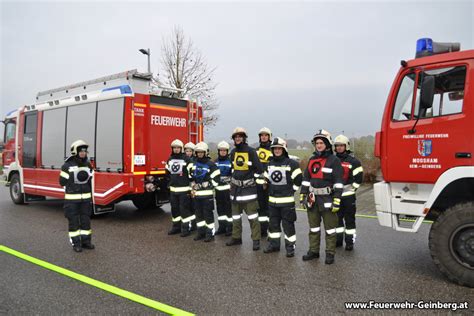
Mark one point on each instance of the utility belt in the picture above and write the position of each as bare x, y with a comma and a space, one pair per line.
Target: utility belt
226, 179
243, 183
202, 186
320, 191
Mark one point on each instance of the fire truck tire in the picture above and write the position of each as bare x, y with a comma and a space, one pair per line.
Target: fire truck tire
451, 242
144, 201
15, 190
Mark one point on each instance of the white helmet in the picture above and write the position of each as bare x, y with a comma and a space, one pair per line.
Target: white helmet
325, 136
279, 143
223, 145
75, 146
265, 130
189, 145
239, 130
343, 140
201, 146
177, 143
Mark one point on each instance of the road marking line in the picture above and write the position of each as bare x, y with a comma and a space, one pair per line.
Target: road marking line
98, 284
375, 217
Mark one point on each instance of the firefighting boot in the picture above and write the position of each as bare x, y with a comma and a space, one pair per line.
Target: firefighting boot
77, 248
175, 229
290, 249
349, 247
87, 242
201, 233
263, 229
185, 229
209, 235
256, 245
339, 239
193, 225
272, 246
329, 258
76, 243
222, 228
310, 255
233, 242
228, 229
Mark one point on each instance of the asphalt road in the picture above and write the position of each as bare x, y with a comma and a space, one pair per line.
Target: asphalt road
134, 253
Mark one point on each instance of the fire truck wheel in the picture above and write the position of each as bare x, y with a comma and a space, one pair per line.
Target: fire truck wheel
15, 190
451, 243
144, 201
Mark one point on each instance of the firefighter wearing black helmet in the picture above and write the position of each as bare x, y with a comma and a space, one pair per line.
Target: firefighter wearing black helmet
246, 169
178, 167
284, 179
264, 153
76, 176
353, 175
321, 193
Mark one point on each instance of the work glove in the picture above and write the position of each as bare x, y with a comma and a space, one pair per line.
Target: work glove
303, 200
336, 203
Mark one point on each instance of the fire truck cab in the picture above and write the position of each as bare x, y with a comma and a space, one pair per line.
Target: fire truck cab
425, 146
127, 121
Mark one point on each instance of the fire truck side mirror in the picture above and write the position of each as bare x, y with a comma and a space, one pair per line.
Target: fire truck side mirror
427, 92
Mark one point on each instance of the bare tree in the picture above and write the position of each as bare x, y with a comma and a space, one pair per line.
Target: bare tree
184, 67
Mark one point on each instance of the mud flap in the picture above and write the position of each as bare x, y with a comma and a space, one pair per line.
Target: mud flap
102, 209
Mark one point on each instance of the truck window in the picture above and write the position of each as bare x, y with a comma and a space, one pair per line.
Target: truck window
110, 135
81, 125
53, 150
29, 140
10, 131
449, 91
402, 108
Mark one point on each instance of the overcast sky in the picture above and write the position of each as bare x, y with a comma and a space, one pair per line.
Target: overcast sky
292, 66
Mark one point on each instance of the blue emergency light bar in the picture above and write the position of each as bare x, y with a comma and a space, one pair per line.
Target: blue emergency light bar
426, 47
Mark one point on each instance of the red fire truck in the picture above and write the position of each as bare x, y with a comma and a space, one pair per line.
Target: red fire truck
425, 146
128, 123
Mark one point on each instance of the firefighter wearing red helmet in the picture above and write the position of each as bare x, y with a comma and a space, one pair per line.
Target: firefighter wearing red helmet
246, 169
177, 168
353, 176
321, 193
76, 177
264, 153
284, 179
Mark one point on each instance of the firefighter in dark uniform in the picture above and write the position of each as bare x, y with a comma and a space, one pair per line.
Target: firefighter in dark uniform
264, 154
189, 151
246, 169
224, 208
177, 169
205, 177
321, 193
76, 176
353, 176
284, 177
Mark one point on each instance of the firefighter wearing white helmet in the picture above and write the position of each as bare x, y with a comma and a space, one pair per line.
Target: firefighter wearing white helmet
284, 178
264, 154
321, 193
178, 167
76, 177
189, 150
223, 205
205, 177
352, 177
246, 169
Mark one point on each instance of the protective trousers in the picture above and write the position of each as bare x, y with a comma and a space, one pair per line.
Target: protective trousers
287, 217
263, 218
347, 225
79, 217
180, 209
224, 210
205, 216
251, 209
322, 209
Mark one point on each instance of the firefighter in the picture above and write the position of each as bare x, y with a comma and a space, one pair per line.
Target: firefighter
246, 169
76, 176
177, 168
205, 177
321, 193
189, 151
224, 209
284, 177
264, 154
353, 176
